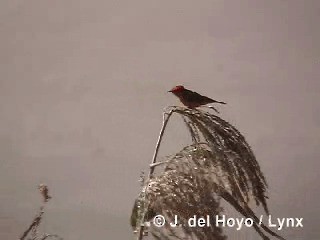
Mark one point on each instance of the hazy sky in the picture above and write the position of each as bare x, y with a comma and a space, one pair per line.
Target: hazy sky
83, 85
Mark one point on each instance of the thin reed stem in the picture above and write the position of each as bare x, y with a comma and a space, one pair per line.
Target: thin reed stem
166, 117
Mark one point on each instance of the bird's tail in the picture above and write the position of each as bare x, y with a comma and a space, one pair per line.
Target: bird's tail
220, 102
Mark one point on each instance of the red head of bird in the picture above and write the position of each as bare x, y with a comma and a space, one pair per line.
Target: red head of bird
177, 89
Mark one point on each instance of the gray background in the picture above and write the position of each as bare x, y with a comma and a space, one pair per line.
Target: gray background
83, 85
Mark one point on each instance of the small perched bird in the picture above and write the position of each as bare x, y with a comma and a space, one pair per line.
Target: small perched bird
191, 99
44, 190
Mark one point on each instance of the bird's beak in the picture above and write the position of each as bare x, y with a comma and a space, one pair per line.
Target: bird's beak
170, 91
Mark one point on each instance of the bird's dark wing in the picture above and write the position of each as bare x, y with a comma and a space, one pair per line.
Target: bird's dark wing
195, 97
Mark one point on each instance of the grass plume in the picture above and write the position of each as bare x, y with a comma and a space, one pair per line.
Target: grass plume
218, 164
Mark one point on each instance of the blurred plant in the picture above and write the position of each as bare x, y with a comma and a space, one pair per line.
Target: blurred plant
219, 164
33, 228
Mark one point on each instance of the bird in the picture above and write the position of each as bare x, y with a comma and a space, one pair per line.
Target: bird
190, 98
44, 190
